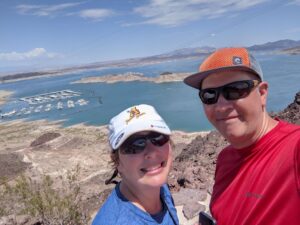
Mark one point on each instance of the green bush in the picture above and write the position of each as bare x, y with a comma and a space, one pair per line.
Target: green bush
50, 205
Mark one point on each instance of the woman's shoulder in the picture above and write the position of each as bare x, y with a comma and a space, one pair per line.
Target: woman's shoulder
109, 211
165, 191
116, 210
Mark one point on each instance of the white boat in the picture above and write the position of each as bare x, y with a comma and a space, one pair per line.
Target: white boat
38, 109
8, 114
26, 111
82, 102
60, 105
70, 104
48, 107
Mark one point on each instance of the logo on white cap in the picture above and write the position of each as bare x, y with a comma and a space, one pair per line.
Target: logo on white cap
134, 112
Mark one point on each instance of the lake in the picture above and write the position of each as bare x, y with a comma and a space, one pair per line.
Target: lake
177, 103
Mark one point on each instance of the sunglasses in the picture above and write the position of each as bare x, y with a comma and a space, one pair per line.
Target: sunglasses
231, 91
137, 143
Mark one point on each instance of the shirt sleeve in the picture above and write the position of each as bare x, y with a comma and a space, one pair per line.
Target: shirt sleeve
297, 165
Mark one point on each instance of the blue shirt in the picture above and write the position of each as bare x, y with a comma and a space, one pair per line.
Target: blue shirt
117, 210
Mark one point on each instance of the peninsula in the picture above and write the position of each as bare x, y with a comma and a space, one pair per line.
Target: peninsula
3, 96
132, 76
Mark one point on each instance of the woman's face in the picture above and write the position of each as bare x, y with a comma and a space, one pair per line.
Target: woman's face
148, 168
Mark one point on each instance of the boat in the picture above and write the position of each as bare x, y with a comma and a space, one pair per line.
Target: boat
48, 107
38, 109
82, 102
70, 104
60, 105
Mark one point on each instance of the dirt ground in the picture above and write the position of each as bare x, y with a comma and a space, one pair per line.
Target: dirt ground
40, 147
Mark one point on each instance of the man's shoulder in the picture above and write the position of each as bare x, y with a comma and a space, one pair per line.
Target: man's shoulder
289, 127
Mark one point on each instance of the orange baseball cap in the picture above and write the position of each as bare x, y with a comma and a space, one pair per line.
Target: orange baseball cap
225, 59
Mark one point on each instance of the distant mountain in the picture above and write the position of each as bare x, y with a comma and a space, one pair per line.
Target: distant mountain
282, 47
276, 45
189, 52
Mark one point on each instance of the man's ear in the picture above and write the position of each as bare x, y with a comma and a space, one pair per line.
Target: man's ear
263, 91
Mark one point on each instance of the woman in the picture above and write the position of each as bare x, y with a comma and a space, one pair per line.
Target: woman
142, 155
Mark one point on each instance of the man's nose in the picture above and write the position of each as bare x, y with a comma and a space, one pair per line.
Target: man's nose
222, 102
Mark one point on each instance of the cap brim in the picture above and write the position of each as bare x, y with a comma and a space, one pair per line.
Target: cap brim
195, 79
147, 126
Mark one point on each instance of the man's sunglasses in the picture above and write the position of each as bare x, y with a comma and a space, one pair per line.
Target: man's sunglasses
231, 91
137, 143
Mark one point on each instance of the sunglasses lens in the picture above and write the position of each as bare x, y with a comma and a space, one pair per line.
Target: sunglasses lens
139, 143
159, 139
135, 145
209, 96
237, 90
232, 91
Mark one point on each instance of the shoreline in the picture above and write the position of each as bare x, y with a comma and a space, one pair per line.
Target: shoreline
131, 76
84, 125
4, 96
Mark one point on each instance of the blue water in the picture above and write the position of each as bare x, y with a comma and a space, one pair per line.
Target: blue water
175, 101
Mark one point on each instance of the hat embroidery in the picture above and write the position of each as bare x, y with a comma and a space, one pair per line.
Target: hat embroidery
134, 112
237, 60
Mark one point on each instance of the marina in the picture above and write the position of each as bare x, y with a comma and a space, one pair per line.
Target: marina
40, 103
51, 96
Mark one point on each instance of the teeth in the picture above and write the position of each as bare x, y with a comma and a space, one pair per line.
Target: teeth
151, 168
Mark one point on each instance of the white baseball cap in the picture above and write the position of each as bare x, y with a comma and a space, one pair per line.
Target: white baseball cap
133, 120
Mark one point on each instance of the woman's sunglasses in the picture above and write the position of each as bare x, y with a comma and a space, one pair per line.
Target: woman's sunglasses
137, 143
231, 91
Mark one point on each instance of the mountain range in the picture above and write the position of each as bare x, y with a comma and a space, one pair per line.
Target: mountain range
286, 46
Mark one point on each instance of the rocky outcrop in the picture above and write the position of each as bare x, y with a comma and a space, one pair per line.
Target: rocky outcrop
194, 167
44, 138
292, 112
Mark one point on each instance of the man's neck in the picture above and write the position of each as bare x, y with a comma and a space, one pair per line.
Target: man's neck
267, 124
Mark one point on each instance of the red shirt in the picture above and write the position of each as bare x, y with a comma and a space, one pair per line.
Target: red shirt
260, 184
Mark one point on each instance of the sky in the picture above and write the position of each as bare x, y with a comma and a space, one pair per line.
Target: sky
37, 34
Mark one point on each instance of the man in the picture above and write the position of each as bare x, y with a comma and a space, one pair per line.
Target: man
257, 179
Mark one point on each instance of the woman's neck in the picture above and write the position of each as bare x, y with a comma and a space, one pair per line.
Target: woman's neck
147, 199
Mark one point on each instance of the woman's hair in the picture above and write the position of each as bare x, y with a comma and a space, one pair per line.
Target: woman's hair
114, 160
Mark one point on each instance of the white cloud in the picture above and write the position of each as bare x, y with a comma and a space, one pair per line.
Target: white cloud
177, 12
37, 53
64, 9
45, 10
95, 14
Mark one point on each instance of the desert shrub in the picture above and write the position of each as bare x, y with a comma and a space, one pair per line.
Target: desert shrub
41, 200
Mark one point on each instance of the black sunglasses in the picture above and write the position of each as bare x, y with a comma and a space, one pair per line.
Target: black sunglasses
137, 143
231, 91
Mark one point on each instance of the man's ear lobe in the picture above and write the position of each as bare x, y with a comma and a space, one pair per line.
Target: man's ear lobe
263, 88
263, 91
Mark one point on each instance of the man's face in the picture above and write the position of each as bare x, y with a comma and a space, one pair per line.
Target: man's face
239, 121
